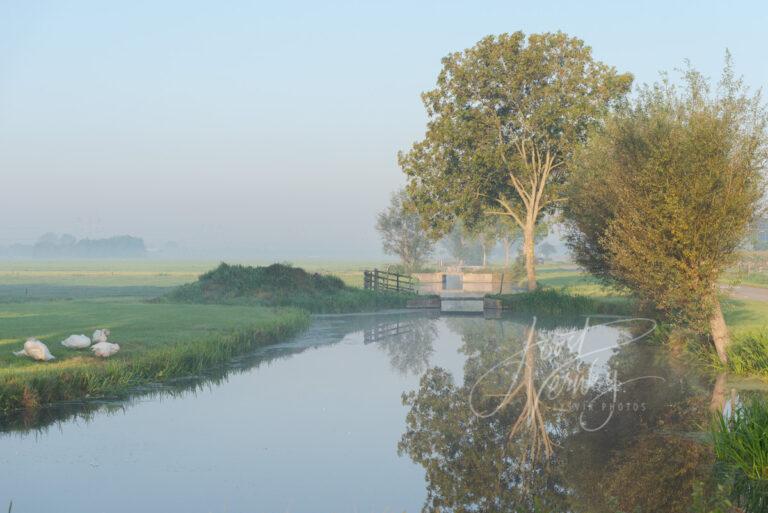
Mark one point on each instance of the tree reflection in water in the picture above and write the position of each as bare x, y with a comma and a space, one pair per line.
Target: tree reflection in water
524, 447
407, 342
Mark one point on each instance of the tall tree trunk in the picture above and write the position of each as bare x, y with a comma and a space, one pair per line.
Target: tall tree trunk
485, 257
528, 252
719, 331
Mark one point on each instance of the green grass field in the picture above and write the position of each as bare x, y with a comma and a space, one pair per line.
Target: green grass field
157, 341
742, 316
750, 279
51, 300
37, 280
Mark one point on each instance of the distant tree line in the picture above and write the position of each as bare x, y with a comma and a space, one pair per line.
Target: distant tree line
52, 245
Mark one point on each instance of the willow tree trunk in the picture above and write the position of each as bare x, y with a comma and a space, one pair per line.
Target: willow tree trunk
530, 257
719, 331
718, 401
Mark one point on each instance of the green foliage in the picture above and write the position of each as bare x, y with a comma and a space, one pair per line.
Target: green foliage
281, 285
463, 245
548, 301
544, 89
662, 196
402, 233
741, 446
504, 120
706, 500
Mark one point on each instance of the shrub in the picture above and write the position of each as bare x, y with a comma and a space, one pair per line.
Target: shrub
282, 285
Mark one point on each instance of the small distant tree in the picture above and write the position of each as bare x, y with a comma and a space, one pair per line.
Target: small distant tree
464, 246
504, 120
490, 231
663, 196
402, 232
546, 249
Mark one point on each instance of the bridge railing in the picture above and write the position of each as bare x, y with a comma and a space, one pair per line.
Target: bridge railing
385, 280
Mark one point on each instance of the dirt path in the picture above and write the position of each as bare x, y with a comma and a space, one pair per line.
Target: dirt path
746, 292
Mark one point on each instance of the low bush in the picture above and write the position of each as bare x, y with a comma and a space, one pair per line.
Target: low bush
282, 285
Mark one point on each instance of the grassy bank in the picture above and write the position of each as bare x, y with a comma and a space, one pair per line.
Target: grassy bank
158, 342
579, 294
282, 285
561, 302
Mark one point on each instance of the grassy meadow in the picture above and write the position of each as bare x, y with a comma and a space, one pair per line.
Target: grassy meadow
742, 316
148, 273
159, 340
163, 339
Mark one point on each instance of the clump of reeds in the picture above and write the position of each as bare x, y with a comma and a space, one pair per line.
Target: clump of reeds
741, 446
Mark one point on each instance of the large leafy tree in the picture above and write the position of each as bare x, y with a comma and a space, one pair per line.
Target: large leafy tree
503, 122
664, 195
402, 233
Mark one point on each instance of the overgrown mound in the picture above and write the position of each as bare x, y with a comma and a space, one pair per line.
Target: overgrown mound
281, 285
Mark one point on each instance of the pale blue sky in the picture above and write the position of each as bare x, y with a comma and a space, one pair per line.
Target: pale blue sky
272, 128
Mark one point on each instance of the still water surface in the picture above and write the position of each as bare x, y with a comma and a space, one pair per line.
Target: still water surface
386, 413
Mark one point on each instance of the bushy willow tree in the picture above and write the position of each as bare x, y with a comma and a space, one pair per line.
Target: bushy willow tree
503, 121
402, 233
665, 193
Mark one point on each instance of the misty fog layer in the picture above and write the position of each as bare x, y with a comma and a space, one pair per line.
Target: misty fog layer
262, 129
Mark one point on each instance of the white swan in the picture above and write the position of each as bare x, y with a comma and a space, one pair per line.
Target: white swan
76, 342
100, 336
105, 349
35, 350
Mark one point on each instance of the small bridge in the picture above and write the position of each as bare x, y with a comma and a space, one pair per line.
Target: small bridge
450, 292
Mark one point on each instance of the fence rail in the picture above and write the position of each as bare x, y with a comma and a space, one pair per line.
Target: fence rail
384, 280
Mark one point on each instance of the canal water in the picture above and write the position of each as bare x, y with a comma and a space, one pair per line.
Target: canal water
387, 413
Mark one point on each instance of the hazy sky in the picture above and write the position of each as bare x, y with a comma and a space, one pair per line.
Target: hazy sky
272, 127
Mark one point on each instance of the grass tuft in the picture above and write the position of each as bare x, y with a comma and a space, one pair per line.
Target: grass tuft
748, 355
741, 447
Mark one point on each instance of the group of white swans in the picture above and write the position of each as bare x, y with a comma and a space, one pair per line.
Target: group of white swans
36, 350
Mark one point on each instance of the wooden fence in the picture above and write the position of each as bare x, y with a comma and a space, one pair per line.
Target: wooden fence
383, 280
